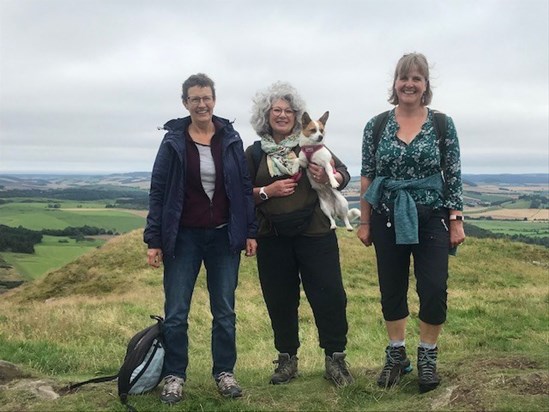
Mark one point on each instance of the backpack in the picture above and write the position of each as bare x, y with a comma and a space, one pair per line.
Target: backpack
141, 370
440, 123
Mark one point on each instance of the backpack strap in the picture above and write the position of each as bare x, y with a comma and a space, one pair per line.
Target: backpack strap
440, 123
100, 379
441, 127
257, 154
379, 125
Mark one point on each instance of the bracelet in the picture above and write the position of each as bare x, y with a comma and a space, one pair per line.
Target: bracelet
365, 223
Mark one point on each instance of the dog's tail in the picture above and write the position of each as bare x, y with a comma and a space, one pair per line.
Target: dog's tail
353, 214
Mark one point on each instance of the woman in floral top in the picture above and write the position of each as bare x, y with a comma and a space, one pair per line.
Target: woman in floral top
411, 205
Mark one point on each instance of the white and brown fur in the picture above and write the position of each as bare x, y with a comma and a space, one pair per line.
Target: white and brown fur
332, 202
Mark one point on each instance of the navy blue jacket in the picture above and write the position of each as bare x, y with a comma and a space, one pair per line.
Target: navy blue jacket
166, 196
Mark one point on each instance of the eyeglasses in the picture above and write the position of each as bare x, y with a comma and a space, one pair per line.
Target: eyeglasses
195, 100
277, 111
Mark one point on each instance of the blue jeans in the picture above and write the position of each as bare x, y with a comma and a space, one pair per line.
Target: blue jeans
194, 246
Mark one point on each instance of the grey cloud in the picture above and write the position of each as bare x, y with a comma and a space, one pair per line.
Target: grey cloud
93, 78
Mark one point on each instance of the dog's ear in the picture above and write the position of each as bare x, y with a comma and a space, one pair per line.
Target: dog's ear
305, 119
324, 118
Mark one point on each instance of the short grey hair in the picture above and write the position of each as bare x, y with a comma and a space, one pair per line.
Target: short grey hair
406, 64
201, 80
263, 101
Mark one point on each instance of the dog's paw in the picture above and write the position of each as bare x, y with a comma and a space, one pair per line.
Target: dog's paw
334, 185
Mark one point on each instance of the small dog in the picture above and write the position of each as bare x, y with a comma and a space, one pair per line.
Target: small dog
332, 202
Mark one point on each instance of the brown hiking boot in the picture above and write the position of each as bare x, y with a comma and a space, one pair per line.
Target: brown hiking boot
337, 370
286, 369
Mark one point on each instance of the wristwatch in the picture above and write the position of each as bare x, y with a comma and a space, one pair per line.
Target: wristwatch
262, 194
456, 217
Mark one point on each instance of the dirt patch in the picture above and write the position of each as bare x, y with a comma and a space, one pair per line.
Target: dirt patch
531, 384
481, 379
467, 399
507, 363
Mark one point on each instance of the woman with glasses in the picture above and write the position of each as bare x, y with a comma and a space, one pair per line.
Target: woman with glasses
295, 242
201, 210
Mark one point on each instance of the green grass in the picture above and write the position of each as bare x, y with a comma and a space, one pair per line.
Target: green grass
530, 228
487, 197
38, 216
49, 255
75, 322
517, 204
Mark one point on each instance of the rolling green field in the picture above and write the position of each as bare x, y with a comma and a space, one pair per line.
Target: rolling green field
511, 227
51, 254
38, 216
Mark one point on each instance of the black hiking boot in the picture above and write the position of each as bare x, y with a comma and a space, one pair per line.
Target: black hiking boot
427, 369
396, 365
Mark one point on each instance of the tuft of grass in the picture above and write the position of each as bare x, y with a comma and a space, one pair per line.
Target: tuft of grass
74, 324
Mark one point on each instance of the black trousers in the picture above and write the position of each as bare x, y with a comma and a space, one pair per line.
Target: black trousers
430, 265
284, 263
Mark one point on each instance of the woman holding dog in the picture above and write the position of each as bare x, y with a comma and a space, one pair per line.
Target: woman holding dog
201, 210
294, 242
411, 205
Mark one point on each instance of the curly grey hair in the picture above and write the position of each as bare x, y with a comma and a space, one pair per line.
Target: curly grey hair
263, 101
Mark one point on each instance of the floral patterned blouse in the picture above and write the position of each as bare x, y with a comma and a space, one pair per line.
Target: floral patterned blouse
419, 159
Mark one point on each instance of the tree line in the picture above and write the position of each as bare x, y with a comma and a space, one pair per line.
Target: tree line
22, 240
89, 194
475, 231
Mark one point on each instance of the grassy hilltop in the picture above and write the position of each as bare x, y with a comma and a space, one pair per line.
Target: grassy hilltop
75, 322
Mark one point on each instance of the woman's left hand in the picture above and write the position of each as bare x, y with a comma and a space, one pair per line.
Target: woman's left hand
318, 173
457, 234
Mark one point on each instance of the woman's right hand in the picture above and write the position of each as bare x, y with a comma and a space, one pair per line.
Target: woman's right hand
281, 188
154, 257
363, 233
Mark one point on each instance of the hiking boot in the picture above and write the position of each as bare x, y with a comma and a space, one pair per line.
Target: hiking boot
396, 365
337, 370
427, 369
227, 385
173, 389
286, 369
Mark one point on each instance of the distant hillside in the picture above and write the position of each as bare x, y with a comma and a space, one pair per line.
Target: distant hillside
515, 179
139, 180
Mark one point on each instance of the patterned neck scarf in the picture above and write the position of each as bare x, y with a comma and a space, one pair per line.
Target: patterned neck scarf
280, 156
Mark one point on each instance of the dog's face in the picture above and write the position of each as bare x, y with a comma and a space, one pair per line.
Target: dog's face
313, 130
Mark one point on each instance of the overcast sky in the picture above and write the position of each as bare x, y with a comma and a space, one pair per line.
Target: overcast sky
85, 83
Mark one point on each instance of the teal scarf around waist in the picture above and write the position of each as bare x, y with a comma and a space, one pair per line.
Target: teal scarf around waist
406, 223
